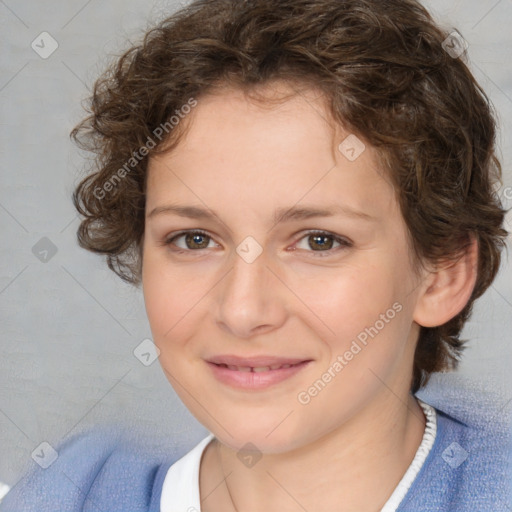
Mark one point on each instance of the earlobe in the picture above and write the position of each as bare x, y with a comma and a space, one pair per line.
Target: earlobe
447, 289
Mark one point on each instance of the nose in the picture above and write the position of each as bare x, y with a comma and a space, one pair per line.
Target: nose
251, 299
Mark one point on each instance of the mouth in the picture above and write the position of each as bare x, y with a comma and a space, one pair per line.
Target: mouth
255, 373
256, 369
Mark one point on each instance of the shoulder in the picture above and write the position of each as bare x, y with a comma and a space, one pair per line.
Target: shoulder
469, 466
100, 470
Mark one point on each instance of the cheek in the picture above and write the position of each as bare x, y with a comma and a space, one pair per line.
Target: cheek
367, 330
348, 299
170, 295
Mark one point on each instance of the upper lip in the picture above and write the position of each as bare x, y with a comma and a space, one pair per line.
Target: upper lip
256, 361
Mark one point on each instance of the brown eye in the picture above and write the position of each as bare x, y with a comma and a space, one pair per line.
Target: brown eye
194, 240
321, 242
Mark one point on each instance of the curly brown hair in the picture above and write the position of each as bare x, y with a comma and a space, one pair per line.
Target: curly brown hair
387, 76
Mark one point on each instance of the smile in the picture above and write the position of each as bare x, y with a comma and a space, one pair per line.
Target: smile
255, 373
257, 368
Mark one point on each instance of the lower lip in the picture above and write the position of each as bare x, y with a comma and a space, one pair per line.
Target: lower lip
254, 380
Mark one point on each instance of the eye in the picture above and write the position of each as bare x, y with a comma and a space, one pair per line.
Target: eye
193, 240
320, 241
323, 241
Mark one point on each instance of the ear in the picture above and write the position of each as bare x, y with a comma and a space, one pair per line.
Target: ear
447, 288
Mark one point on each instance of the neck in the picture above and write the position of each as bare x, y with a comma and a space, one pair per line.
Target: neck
355, 467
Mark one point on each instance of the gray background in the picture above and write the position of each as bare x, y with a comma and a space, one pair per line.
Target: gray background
69, 326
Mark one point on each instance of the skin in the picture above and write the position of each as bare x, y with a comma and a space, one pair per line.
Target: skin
242, 160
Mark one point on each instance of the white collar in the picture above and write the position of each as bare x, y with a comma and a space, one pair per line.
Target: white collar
180, 491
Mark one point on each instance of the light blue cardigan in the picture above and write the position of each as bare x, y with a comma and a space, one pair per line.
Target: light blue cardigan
467, 470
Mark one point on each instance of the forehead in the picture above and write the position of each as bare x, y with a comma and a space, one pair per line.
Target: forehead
278, 150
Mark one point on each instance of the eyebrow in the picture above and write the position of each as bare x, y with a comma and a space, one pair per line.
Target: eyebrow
294, 213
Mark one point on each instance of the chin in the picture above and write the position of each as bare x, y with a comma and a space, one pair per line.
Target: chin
271, 435
246, 441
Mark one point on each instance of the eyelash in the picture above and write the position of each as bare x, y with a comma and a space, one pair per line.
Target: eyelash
344, 243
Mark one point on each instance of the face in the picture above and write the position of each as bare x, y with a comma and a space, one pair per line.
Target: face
276, 273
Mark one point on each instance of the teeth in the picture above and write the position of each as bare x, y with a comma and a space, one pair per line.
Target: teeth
256, 369
261, 369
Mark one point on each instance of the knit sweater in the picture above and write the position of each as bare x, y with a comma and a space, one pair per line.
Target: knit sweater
467, 470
